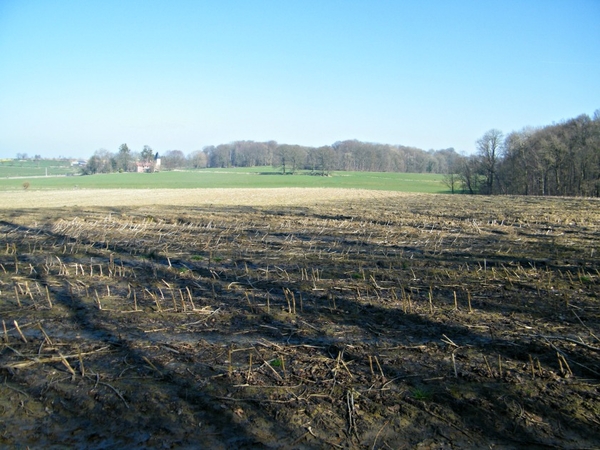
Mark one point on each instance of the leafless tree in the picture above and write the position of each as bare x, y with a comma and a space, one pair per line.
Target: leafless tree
489, 148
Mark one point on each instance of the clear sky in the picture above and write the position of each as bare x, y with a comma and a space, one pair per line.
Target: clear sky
80, 75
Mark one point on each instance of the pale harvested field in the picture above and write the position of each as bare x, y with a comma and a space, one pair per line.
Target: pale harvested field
185, 197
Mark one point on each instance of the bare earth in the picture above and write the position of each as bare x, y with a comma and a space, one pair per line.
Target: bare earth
298, 319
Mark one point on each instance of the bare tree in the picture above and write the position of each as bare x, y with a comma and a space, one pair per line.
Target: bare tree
325, 159
489, 148
197, 159
468, 174
173, 159
452, 177
287, 158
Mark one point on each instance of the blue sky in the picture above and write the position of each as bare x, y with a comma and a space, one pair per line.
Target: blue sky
76, 76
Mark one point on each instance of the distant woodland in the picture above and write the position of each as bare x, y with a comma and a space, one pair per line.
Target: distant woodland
562, 159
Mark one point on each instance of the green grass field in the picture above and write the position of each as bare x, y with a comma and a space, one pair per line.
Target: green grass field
256, 177
31, 168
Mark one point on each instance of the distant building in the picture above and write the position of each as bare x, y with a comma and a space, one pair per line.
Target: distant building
144, 166
149, 166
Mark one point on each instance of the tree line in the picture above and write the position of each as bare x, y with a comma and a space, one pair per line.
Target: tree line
561, 159
350, 155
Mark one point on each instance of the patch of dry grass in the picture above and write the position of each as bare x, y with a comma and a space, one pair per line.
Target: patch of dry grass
184, 197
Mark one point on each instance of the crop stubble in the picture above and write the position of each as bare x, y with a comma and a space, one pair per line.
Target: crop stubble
350, 319
182, 197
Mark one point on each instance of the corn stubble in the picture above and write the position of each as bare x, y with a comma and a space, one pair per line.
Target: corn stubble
305, 325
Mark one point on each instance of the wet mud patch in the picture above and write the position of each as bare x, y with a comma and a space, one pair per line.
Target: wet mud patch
401, 322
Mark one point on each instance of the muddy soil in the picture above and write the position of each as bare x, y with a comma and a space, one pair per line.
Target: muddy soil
427, 322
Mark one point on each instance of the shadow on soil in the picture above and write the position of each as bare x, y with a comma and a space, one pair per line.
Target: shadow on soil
241, 328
